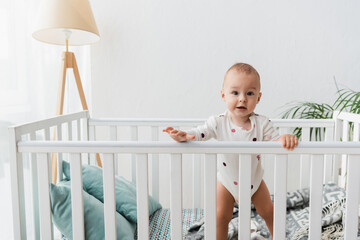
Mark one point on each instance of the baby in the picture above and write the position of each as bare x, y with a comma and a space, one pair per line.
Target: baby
241, 93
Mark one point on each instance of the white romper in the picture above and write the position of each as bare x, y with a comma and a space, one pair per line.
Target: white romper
222, 128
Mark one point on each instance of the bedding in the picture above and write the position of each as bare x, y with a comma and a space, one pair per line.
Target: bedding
159, 223
125, 191
297, 218
193, 228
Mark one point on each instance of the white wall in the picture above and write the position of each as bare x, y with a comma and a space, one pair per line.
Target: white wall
167, 58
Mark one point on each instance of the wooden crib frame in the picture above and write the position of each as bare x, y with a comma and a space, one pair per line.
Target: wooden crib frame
324, 159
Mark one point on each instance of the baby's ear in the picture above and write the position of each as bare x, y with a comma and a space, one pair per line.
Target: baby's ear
222, 94
260, 94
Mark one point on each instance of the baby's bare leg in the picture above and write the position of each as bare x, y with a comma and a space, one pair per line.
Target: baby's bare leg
264, 206
224, 211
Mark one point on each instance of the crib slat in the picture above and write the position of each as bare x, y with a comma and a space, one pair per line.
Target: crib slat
210, 195
155, 166
352, 198
316, 190
17, 188
78, 128
142, 195
329, 136
35, 191
337, 157
114, 137
345, 138
85, 137
176, 196
44, 196
134, 137
109, 196
196, 181
305, 161
47, 138
280, 196
60, 155
77, 196
244, 196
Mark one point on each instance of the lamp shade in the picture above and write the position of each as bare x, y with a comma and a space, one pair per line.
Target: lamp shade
75, 16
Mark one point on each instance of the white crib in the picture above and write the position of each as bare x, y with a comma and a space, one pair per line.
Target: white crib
78, 138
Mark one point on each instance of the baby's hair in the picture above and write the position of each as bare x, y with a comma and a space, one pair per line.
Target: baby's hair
242, 68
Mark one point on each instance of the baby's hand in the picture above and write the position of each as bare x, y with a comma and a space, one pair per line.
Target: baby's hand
288, 141
178, 135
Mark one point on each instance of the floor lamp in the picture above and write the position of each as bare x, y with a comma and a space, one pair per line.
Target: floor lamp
66, 22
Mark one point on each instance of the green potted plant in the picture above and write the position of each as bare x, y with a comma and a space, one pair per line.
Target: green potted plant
348, 100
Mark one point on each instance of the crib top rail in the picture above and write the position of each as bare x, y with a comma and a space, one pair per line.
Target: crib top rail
187, 148
144, 121
38, 125
47, 123
346, 116
192, 122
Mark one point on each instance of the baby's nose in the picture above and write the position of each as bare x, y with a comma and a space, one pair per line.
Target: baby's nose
242, 97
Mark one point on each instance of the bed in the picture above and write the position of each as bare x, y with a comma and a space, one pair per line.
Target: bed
80, 138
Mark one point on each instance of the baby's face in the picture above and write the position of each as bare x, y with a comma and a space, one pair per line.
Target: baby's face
241, 93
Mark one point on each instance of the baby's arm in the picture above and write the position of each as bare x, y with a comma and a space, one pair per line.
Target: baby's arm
177, 135
288, 141
200, 133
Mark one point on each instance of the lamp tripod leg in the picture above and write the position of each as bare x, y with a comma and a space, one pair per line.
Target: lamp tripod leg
68, 61
59, 111
82, 97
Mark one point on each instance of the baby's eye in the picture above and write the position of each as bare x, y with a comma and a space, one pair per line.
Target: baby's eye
250, 93
235, 93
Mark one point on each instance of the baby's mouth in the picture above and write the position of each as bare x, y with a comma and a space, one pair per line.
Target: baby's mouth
241, 107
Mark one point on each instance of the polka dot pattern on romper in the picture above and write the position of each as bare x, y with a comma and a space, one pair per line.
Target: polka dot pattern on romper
235, 183
202, 135
252, 186
254, 139
224, 164
258, 157
233, 130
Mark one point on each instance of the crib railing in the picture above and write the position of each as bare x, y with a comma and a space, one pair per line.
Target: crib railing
284, 126
78, 126
39, 130
210, 149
